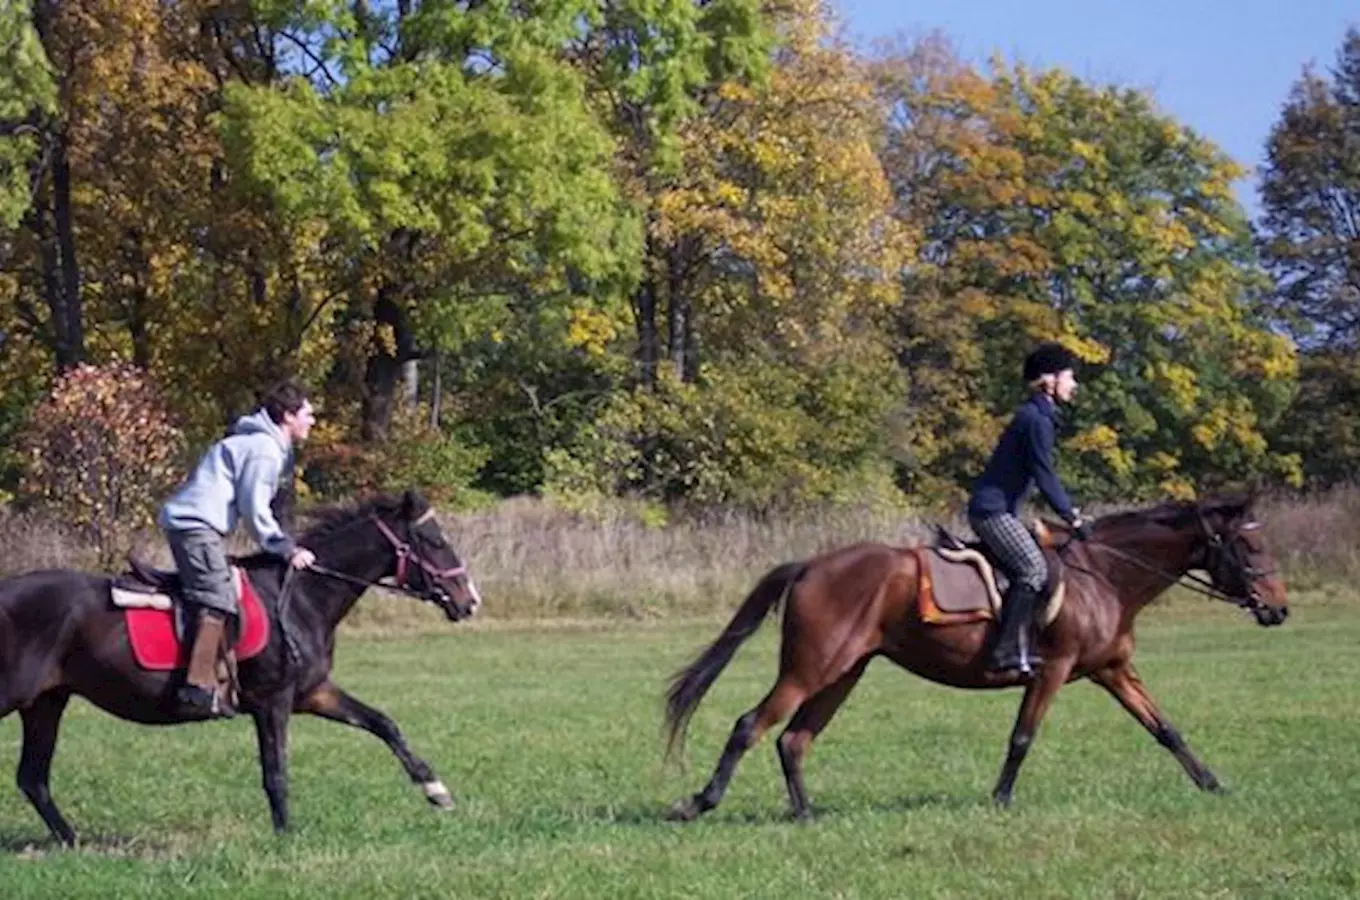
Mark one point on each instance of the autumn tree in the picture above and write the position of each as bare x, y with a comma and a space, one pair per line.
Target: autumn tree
1310, 242
650, 69
1055, 208
781, 264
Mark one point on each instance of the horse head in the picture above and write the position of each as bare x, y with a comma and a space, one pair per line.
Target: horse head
1231, 547
397, 538
425, 564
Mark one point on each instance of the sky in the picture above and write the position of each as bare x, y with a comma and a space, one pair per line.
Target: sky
1222, 67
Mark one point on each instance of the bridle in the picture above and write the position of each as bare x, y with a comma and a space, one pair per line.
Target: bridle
406, 555
1217, 553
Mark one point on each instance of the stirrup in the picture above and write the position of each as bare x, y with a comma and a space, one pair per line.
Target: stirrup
1026, 667
200, 701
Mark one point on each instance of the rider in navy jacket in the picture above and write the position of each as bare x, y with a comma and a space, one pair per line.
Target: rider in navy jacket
1023, 458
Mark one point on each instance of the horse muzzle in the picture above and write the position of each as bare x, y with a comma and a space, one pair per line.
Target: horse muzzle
1269, 616
458, 605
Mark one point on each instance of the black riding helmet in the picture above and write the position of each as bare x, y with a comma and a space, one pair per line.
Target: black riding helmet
1048, 359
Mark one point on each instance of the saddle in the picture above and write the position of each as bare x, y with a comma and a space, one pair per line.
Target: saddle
158, 618
961, 581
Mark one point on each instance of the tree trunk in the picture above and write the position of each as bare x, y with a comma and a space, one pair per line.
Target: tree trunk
649, 345
410, 378
385, 363
71, 341
436, 388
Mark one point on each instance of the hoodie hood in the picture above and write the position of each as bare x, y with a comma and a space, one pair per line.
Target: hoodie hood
259, 422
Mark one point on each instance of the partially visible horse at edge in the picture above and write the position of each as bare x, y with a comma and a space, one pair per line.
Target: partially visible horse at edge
848, 606
60, 635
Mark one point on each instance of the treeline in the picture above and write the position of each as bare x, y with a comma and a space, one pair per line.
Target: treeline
696, 253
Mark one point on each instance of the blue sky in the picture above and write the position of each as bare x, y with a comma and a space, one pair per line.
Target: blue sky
1222, 67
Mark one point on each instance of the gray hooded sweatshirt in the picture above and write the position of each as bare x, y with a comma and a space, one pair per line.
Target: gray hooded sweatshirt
236, 479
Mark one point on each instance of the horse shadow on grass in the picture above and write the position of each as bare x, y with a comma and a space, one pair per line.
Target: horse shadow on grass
777, 814
36, 846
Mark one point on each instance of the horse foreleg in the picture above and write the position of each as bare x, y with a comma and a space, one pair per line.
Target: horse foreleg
783, 699
330, 702
1126, 687
271, 729
1038, 695
41, 719
813, 716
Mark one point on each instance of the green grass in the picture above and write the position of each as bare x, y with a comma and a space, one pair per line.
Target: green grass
548, 738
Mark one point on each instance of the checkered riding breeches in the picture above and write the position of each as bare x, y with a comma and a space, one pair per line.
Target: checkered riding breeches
1014, 547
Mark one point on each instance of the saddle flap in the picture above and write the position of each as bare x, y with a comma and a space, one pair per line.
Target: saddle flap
965, 585
156, 627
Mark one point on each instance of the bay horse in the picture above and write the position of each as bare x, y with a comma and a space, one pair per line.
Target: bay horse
60, 635
846, 607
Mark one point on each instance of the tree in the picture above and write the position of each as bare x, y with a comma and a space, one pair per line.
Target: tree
780, 264
1310, 242
651, 67
1053, 208
27, 94
437, 158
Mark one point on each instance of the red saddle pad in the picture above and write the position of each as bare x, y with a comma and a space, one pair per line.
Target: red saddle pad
156, 647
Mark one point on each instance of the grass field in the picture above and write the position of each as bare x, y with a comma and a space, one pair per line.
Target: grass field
548, 737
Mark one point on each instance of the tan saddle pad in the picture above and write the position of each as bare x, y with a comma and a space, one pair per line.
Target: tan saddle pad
959, 586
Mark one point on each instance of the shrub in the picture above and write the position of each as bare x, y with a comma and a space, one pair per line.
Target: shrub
100, 453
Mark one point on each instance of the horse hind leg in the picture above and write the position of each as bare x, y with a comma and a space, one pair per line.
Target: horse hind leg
41, 720
809, 721
783, 699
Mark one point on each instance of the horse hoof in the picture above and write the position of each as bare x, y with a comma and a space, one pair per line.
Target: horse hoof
1001, 801
438, 795
683, 811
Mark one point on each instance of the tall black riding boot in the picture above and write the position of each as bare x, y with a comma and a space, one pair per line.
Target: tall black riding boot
1012, 651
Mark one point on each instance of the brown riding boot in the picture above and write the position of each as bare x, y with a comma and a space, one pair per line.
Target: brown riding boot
199, 695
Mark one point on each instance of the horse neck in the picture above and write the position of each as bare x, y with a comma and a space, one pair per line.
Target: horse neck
1151, 557
358, 551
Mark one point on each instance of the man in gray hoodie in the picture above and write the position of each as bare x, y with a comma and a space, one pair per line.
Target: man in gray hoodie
235, 480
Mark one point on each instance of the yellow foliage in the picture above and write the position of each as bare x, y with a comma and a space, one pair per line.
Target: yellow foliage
1103, 441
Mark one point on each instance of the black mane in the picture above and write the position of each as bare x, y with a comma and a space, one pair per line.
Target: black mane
328, 519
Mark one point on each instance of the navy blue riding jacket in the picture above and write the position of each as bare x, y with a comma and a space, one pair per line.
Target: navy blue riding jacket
1023, 457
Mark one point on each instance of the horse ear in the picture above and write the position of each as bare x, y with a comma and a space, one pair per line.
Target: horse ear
413, 504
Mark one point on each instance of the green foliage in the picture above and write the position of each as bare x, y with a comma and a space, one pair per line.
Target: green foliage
101, 453
761, 437
26, 92
441, 462
1322, 424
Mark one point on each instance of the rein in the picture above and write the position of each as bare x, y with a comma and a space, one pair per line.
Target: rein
1198, 584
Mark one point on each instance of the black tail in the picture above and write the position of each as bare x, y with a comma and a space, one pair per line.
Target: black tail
690, 684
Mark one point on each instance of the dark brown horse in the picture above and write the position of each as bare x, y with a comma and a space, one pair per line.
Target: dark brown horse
848, 606
60, 635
